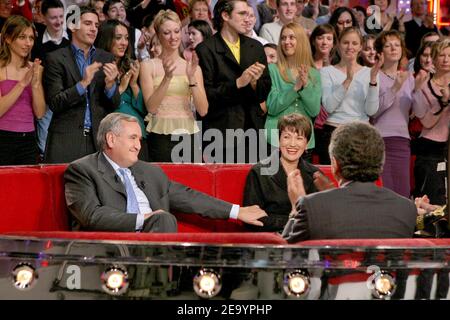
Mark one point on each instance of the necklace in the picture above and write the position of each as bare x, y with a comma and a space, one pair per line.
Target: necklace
389, 76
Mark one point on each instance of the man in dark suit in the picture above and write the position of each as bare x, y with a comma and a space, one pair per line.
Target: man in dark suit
235, 75
80, 88
112, 190
358, 208
420, 24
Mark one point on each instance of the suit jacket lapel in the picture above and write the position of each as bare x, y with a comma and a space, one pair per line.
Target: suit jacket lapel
109, 175
222, 48
71, 63
149, 189
247, 49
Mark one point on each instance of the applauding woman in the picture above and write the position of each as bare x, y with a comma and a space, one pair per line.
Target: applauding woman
21, 93
349, 90
113, 36
431, 99
168, 83
295, 82
266, 184
391, 119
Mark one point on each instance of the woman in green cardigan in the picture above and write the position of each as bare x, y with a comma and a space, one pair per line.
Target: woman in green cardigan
296, 86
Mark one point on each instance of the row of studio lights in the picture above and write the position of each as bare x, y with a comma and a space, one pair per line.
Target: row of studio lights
207, 283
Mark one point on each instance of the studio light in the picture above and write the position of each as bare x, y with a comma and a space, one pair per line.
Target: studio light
115, 280
383, 285
296, 283
207, 283
24, 276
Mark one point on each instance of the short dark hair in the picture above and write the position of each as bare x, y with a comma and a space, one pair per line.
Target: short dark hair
320, 30
428, 34
295, 122
147, 20
220, 7
372, 2
270, 45
203, 27
359, 150
109, 3
360, 9
50, 4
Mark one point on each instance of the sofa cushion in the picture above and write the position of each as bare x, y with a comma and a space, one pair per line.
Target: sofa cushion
25, 198
60, 213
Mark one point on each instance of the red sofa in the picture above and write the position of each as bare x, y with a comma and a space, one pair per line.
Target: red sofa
32, 203
32, 197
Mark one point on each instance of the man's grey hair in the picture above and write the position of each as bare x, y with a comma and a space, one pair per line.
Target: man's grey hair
112, 123
359, 149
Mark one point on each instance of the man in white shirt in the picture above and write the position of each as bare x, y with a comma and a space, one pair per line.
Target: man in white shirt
53, 37
421, 23
250, 25
112, 190
286, 12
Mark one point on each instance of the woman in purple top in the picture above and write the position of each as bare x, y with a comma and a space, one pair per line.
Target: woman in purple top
392, 117
21, 93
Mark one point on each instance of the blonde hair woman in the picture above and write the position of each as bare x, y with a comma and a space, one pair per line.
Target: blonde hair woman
296, 84
432, 97
168, 83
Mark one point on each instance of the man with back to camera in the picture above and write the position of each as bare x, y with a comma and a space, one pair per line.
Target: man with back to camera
111, 190
358, 209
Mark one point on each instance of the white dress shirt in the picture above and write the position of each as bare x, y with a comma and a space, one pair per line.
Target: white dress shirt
144, 204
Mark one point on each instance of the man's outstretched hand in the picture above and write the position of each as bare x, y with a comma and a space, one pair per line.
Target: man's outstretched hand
251, 215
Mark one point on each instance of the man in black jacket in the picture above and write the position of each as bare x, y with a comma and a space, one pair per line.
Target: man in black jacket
235, 77
420, 24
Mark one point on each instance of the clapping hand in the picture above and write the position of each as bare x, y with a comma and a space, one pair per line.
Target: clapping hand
428, 21
26, 80
191, 67
423, 205
302, 77
134, 71
295, 187
89, 73
37, 73
421, 78
168, 66
400, 79
376, 68
111, 74
251, 74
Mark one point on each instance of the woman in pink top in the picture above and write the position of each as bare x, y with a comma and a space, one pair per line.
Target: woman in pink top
21, 93
431, 97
